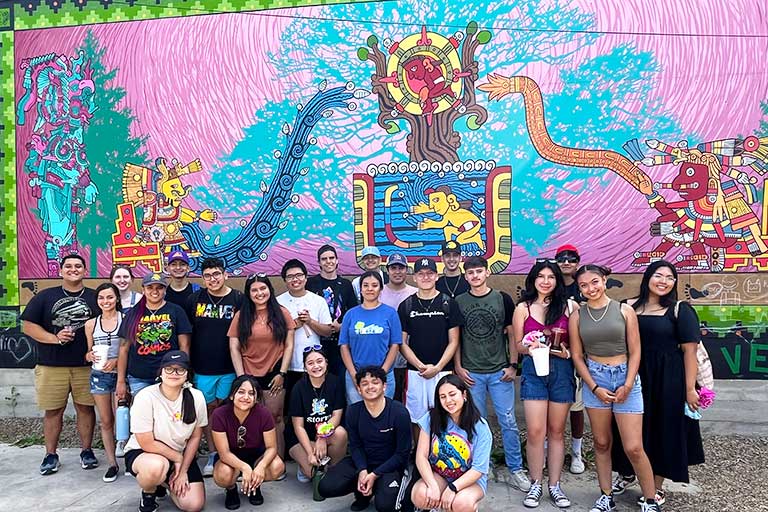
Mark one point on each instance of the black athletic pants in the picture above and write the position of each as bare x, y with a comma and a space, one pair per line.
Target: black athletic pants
391, 492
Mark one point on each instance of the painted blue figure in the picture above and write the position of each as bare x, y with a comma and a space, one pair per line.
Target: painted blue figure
61, 92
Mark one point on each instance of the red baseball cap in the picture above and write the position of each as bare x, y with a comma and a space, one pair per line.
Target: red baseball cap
567, 248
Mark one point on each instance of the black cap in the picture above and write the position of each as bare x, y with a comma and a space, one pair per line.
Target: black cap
175, 357
451, 246
424, 263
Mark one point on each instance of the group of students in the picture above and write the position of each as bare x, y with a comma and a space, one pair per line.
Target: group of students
356, 380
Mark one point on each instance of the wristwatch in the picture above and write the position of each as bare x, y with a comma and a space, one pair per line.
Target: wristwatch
452, 487
513, 366
282, 374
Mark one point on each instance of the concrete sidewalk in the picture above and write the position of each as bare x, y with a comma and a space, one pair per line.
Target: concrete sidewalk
73, 489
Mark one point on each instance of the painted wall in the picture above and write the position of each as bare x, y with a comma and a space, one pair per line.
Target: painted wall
635, 130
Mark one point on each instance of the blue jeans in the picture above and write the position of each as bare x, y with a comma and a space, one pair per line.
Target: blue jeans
503, 398
353, 396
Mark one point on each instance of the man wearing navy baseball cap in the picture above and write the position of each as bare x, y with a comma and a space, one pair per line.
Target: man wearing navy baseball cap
393, 294
453, 281
179, 289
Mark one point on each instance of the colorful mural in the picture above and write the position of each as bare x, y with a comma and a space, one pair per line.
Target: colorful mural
262, 130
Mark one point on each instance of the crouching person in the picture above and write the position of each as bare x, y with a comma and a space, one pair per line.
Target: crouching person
167, 421
379, 432
246, 440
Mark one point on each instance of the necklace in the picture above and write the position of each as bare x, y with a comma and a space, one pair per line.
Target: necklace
596, 320
215, 303
74, 296
452, 291
151, 312
425, 309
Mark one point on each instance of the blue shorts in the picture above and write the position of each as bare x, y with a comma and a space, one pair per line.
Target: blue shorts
103, 383
214, 387
136, 384
610, 378
559, 386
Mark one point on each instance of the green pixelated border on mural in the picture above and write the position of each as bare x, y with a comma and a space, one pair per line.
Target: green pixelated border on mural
726, 318
70, 14
9, 269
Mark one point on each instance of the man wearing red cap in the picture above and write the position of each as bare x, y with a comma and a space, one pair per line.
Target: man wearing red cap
567, 257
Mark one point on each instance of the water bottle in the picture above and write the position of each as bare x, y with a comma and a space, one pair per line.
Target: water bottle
122, 421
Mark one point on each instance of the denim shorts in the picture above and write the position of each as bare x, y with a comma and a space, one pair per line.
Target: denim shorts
559, 386
103, 383
611, 377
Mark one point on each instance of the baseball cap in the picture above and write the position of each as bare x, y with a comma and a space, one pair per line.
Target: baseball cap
567, 248
370, 250
178, 255
397, 258
424, 263
451, 246
175, 357
154, 278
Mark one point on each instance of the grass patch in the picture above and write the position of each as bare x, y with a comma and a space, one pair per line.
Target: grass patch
30, 440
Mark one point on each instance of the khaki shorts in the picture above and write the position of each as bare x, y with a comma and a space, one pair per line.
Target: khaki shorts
53, 384
578, 405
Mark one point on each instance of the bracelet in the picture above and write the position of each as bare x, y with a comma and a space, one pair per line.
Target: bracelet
452, 487
513, 365
594, 388
282, 374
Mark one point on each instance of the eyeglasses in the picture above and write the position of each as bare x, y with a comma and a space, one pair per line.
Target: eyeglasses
170, 370
313, 347
661, 277
241, 431
295, 277
568, 259
545, 260
213, 275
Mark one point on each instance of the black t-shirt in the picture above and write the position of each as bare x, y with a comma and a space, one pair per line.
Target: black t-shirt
338, 294
210, 318
316, 405
157, 333
180, 298
572, 292
453, 286
427, 323
53, 309
381, 444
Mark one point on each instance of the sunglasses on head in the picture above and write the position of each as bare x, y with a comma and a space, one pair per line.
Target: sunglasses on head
545, 260
261, 275
313, 347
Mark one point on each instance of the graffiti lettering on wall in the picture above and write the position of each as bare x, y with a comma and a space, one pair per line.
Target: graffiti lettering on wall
16, 349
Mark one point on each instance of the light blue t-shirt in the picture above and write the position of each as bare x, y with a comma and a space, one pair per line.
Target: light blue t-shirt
451, 454
369, 333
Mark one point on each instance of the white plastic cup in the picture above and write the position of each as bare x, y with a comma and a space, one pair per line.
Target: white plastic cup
540, 357
101, 353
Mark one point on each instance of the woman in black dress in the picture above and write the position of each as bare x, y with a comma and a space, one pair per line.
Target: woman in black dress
669, 334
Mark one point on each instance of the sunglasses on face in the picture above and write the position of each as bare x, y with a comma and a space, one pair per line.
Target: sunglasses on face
568, 259
241, 431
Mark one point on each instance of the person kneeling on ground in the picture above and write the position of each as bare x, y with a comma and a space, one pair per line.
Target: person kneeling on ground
167, 421
379, 443
453, 452
245, 438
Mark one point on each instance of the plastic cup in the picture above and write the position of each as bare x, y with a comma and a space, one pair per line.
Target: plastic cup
101, 352
540, 357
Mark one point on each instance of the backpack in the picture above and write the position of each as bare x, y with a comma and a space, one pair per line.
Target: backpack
704, 376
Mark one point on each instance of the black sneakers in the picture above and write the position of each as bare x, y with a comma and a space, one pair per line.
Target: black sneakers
232, 498
111, 474
148, 502
361, 503
256, 498
88, 460
50, 464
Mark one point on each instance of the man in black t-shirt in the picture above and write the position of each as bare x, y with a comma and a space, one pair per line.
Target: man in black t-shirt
179, 287
379, 446
210, 311
54, 318
452, 281
431, 323
340, 297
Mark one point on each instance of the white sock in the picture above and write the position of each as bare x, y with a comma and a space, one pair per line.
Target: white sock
576, 447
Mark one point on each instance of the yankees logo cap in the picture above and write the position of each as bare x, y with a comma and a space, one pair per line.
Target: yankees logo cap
424, 264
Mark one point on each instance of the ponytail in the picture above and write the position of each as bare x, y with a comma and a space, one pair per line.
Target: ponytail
188, 409
133, 318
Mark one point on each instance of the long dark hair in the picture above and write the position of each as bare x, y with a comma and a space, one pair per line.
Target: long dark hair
665, 301
438, 417
558, 301
275, 318
133, 318
239, 382
110, 286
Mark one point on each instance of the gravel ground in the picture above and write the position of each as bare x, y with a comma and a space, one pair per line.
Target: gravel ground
731, 480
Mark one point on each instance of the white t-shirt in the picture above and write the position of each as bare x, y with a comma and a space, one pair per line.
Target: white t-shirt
393, 299
304, 336
356, 284
152, 412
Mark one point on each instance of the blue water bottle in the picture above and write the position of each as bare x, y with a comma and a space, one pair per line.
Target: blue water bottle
122, 421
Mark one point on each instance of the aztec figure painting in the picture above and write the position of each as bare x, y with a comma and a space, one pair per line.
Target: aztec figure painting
131, 129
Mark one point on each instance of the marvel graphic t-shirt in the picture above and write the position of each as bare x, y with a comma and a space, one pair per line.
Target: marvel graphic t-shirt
157, 333
53, 309
427, 322
210, 317
316, 405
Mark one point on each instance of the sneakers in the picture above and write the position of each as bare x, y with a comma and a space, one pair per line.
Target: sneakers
120, 449
577, 465
301, 477
558, 497
232, 499
111, 474
603, 504
652, 507
533, 497
621, 483
361, 503
88, 459
148, 502
208, 468
519, 479
161, 492
50, 464
660, 498
256, 498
